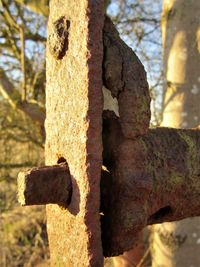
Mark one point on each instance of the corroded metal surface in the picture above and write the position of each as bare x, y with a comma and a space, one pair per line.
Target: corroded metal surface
125, 76
73, 127
154, 178
149, 175
45, 185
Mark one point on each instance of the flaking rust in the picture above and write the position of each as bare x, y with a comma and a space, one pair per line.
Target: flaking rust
149, 175
154, 179
73, 128
152, 175
124, 75
45, 185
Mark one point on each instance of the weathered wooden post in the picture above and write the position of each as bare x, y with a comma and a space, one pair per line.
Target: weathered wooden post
149, 175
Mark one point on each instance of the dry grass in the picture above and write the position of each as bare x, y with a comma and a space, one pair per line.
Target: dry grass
23, 237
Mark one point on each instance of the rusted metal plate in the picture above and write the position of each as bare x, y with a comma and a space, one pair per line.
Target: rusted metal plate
73, 127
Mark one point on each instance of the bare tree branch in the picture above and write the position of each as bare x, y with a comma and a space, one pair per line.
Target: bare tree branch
12, 95
38, 6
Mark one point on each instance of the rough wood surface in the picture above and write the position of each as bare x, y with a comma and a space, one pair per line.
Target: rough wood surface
154, 178
74, 123
45, 185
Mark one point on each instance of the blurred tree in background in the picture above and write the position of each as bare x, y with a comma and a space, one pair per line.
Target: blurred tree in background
23, 239
22, 84
177, 243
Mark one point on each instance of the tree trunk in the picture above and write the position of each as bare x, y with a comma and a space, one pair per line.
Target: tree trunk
177, 244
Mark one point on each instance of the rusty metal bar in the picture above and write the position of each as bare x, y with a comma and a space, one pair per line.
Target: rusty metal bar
150, 176
154, 178
45, 185
73, 127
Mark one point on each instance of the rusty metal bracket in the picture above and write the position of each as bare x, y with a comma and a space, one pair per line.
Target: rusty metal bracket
148, 175
151, 179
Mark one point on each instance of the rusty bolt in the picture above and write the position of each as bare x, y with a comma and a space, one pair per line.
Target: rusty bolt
45, 185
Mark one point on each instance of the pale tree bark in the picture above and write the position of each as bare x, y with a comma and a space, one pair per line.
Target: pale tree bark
177, 244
